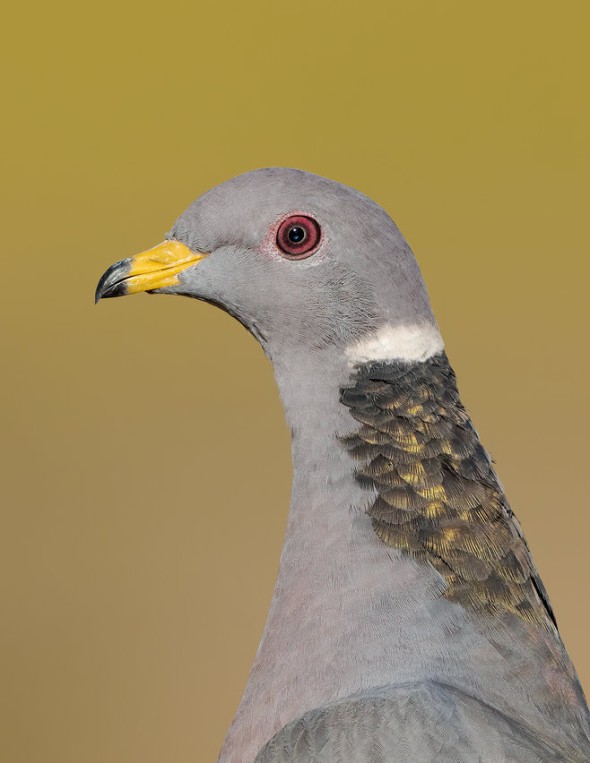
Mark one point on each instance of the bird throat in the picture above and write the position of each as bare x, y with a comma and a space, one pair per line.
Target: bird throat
435, 494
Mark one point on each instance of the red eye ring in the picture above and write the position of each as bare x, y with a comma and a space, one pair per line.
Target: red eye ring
298, 236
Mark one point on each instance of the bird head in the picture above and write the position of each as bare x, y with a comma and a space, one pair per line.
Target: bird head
303, 262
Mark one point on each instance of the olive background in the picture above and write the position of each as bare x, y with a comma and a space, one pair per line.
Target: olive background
145, 462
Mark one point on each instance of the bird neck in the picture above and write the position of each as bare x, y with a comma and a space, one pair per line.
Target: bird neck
326, 634
358, 601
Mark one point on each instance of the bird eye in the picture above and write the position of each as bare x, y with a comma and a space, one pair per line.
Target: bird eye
298, 236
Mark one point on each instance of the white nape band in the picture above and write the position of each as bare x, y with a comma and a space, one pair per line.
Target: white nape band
413, 342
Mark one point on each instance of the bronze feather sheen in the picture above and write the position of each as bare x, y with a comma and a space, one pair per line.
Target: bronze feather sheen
437, 495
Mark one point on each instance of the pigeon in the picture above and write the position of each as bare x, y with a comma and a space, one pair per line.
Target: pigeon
408, 622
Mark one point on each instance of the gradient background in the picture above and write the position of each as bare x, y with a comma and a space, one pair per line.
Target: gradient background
145, 462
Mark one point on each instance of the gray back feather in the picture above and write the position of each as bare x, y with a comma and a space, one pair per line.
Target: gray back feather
411, 724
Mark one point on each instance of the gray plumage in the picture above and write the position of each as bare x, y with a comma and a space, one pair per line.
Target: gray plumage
424, 721
408, 622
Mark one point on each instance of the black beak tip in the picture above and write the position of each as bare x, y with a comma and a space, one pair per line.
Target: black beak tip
112, 282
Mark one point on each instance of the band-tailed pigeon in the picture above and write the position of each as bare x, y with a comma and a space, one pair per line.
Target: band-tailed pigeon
408, 622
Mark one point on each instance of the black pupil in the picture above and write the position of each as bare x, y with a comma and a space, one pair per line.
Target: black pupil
296, 234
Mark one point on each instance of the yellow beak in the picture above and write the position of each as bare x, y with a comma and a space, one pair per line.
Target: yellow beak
153, 269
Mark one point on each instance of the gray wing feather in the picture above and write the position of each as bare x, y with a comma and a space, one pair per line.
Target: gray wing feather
421, 723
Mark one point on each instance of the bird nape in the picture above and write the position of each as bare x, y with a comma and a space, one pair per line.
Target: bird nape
409, 622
